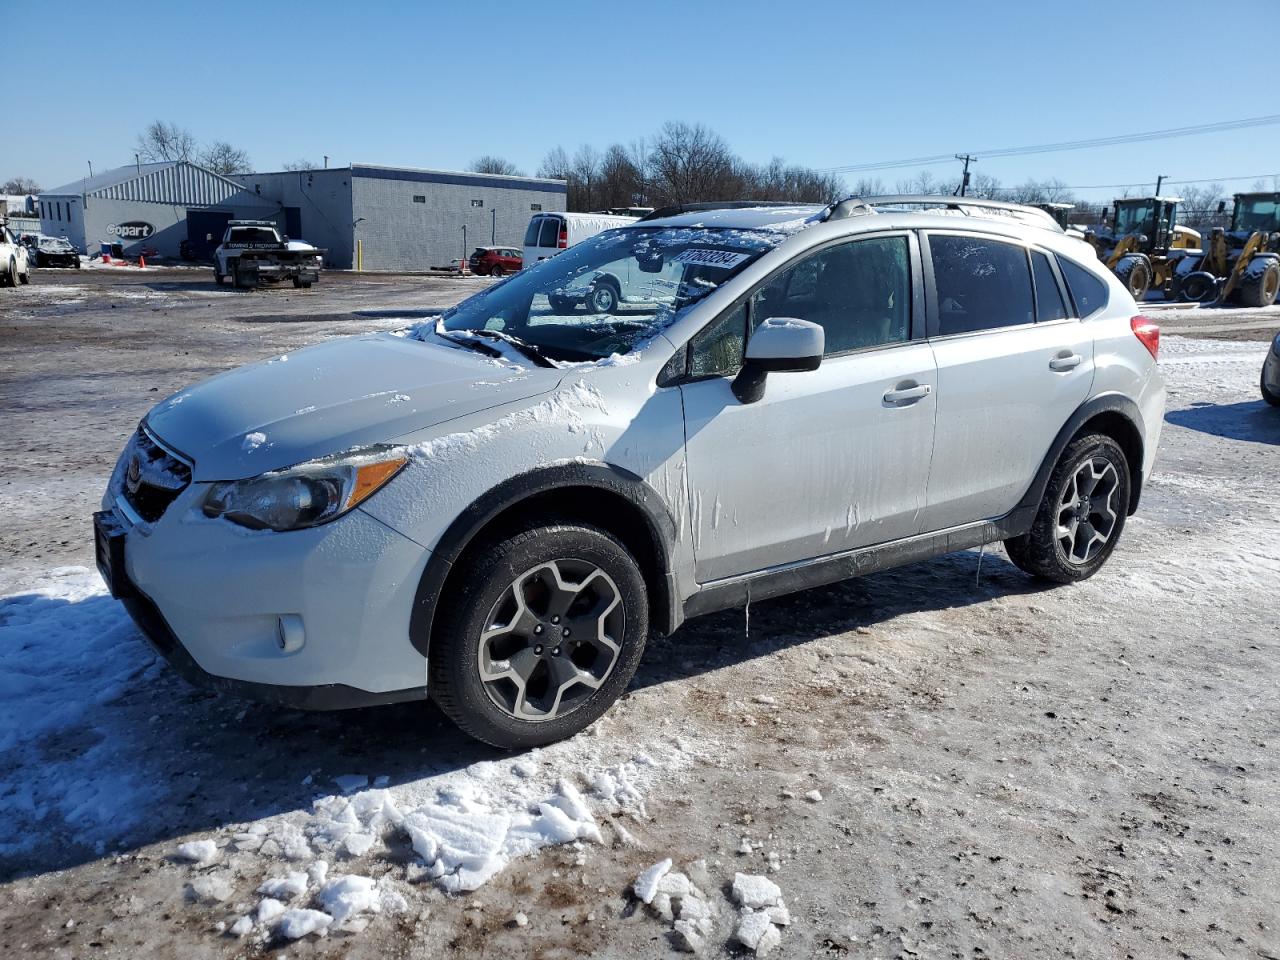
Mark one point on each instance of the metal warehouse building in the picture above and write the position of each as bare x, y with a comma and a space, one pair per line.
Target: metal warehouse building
148, 206
367, 217
395, 218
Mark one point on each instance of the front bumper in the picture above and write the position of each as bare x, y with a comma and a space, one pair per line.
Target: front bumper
212, 598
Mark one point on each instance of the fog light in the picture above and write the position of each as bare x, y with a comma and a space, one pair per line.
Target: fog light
290, 635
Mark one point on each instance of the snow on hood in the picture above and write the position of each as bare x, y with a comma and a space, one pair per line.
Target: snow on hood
332, 397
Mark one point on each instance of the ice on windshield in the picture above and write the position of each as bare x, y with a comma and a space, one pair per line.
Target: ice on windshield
605, 295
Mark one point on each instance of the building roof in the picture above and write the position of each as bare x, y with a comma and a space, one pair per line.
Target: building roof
173, 181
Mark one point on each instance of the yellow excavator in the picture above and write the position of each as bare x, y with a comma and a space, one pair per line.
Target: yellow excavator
1143, 243
1240, 265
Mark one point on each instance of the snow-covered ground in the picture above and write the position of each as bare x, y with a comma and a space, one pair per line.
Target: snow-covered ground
945, 759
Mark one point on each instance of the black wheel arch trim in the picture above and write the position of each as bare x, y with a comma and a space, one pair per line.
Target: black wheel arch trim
667, 612
1104, 403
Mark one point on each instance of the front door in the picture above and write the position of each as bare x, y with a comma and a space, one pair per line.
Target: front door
1013, 366
828, 459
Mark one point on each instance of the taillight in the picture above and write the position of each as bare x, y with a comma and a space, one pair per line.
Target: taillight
1146, 330
564, 236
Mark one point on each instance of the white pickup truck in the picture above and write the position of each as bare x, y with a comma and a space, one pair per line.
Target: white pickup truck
253, 252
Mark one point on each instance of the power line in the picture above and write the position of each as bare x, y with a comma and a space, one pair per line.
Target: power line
1166, 134
1143, 183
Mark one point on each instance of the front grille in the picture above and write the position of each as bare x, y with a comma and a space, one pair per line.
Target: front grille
153, 477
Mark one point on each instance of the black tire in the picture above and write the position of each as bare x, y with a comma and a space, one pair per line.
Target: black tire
1198, 287
297, 283
243, 280
25, 277
10, 276
218, 278
484, 578
1135, 273
603, 297
1040, 551
561, 304
1259, 289
1267, 395
496, 272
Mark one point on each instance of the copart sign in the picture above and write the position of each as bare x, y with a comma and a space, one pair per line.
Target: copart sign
133, 230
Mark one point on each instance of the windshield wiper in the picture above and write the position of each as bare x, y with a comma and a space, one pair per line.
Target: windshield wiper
530, 350
469, 342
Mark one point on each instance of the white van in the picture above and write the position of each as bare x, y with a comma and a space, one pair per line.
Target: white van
549, 233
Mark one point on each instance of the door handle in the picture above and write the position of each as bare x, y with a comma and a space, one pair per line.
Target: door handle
904, 396
1064, 363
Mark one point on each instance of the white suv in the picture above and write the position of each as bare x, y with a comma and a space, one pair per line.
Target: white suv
495, 509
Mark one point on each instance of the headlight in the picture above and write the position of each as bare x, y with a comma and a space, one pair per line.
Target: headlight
307, 495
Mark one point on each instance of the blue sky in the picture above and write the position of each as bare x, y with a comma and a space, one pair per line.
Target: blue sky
819, 83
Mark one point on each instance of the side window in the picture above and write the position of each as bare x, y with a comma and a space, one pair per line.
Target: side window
859, 292
1049, 305
531, 234
550, 235
982, 284
1089, 293
717, 350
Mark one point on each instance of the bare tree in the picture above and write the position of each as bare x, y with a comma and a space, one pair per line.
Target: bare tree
221, 157
922, 182
166, 141
691, 163
555, 165
301, 165
870, 187
498, 165
19, 186
1199, 207
622, 180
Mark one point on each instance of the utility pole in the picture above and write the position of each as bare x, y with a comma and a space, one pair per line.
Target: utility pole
1160, 180
493, 233
963, 189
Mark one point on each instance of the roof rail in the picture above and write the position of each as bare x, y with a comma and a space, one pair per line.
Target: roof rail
678, 208
858, 206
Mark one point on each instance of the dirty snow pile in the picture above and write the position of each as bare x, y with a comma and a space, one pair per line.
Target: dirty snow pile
465, 827
679, 899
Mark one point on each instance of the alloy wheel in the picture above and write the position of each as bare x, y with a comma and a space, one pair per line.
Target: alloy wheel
552, 638
1087, 515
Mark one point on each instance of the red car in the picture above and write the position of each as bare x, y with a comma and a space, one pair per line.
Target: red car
495, 261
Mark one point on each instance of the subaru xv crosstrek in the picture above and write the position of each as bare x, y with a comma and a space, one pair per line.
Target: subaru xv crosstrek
495, 508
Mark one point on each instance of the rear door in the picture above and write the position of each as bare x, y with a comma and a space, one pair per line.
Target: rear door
828, 459
1013, 365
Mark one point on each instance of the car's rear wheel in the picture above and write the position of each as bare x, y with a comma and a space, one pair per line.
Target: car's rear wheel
10, 277
496, 271
1081, 515
25, 276
1267, 395
542, 634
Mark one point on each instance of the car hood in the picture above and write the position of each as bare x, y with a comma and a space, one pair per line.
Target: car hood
332, 397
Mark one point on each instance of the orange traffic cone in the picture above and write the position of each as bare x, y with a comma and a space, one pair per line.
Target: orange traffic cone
142, 262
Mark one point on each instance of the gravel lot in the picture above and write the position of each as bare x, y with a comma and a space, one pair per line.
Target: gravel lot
1002, 770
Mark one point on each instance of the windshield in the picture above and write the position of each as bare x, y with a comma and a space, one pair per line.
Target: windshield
1134, 218
52, 243
1258, 214
609, 292
254, 235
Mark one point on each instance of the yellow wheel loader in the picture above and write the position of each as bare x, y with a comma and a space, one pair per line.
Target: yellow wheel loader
1240, 265
1144, 243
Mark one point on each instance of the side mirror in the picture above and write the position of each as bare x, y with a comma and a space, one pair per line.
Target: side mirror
1222, 206
778, 345
650, 264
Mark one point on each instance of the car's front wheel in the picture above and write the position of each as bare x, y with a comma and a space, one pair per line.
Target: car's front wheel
542, 633
1081, 515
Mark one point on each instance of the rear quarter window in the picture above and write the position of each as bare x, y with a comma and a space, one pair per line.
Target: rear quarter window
531, 235
1089, 292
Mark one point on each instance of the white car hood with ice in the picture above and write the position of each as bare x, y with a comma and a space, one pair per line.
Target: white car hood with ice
330, 398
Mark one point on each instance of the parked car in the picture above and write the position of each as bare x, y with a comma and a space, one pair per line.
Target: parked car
830, 391
551, 233
55, 252
15, 267
494, 261
1270, 381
